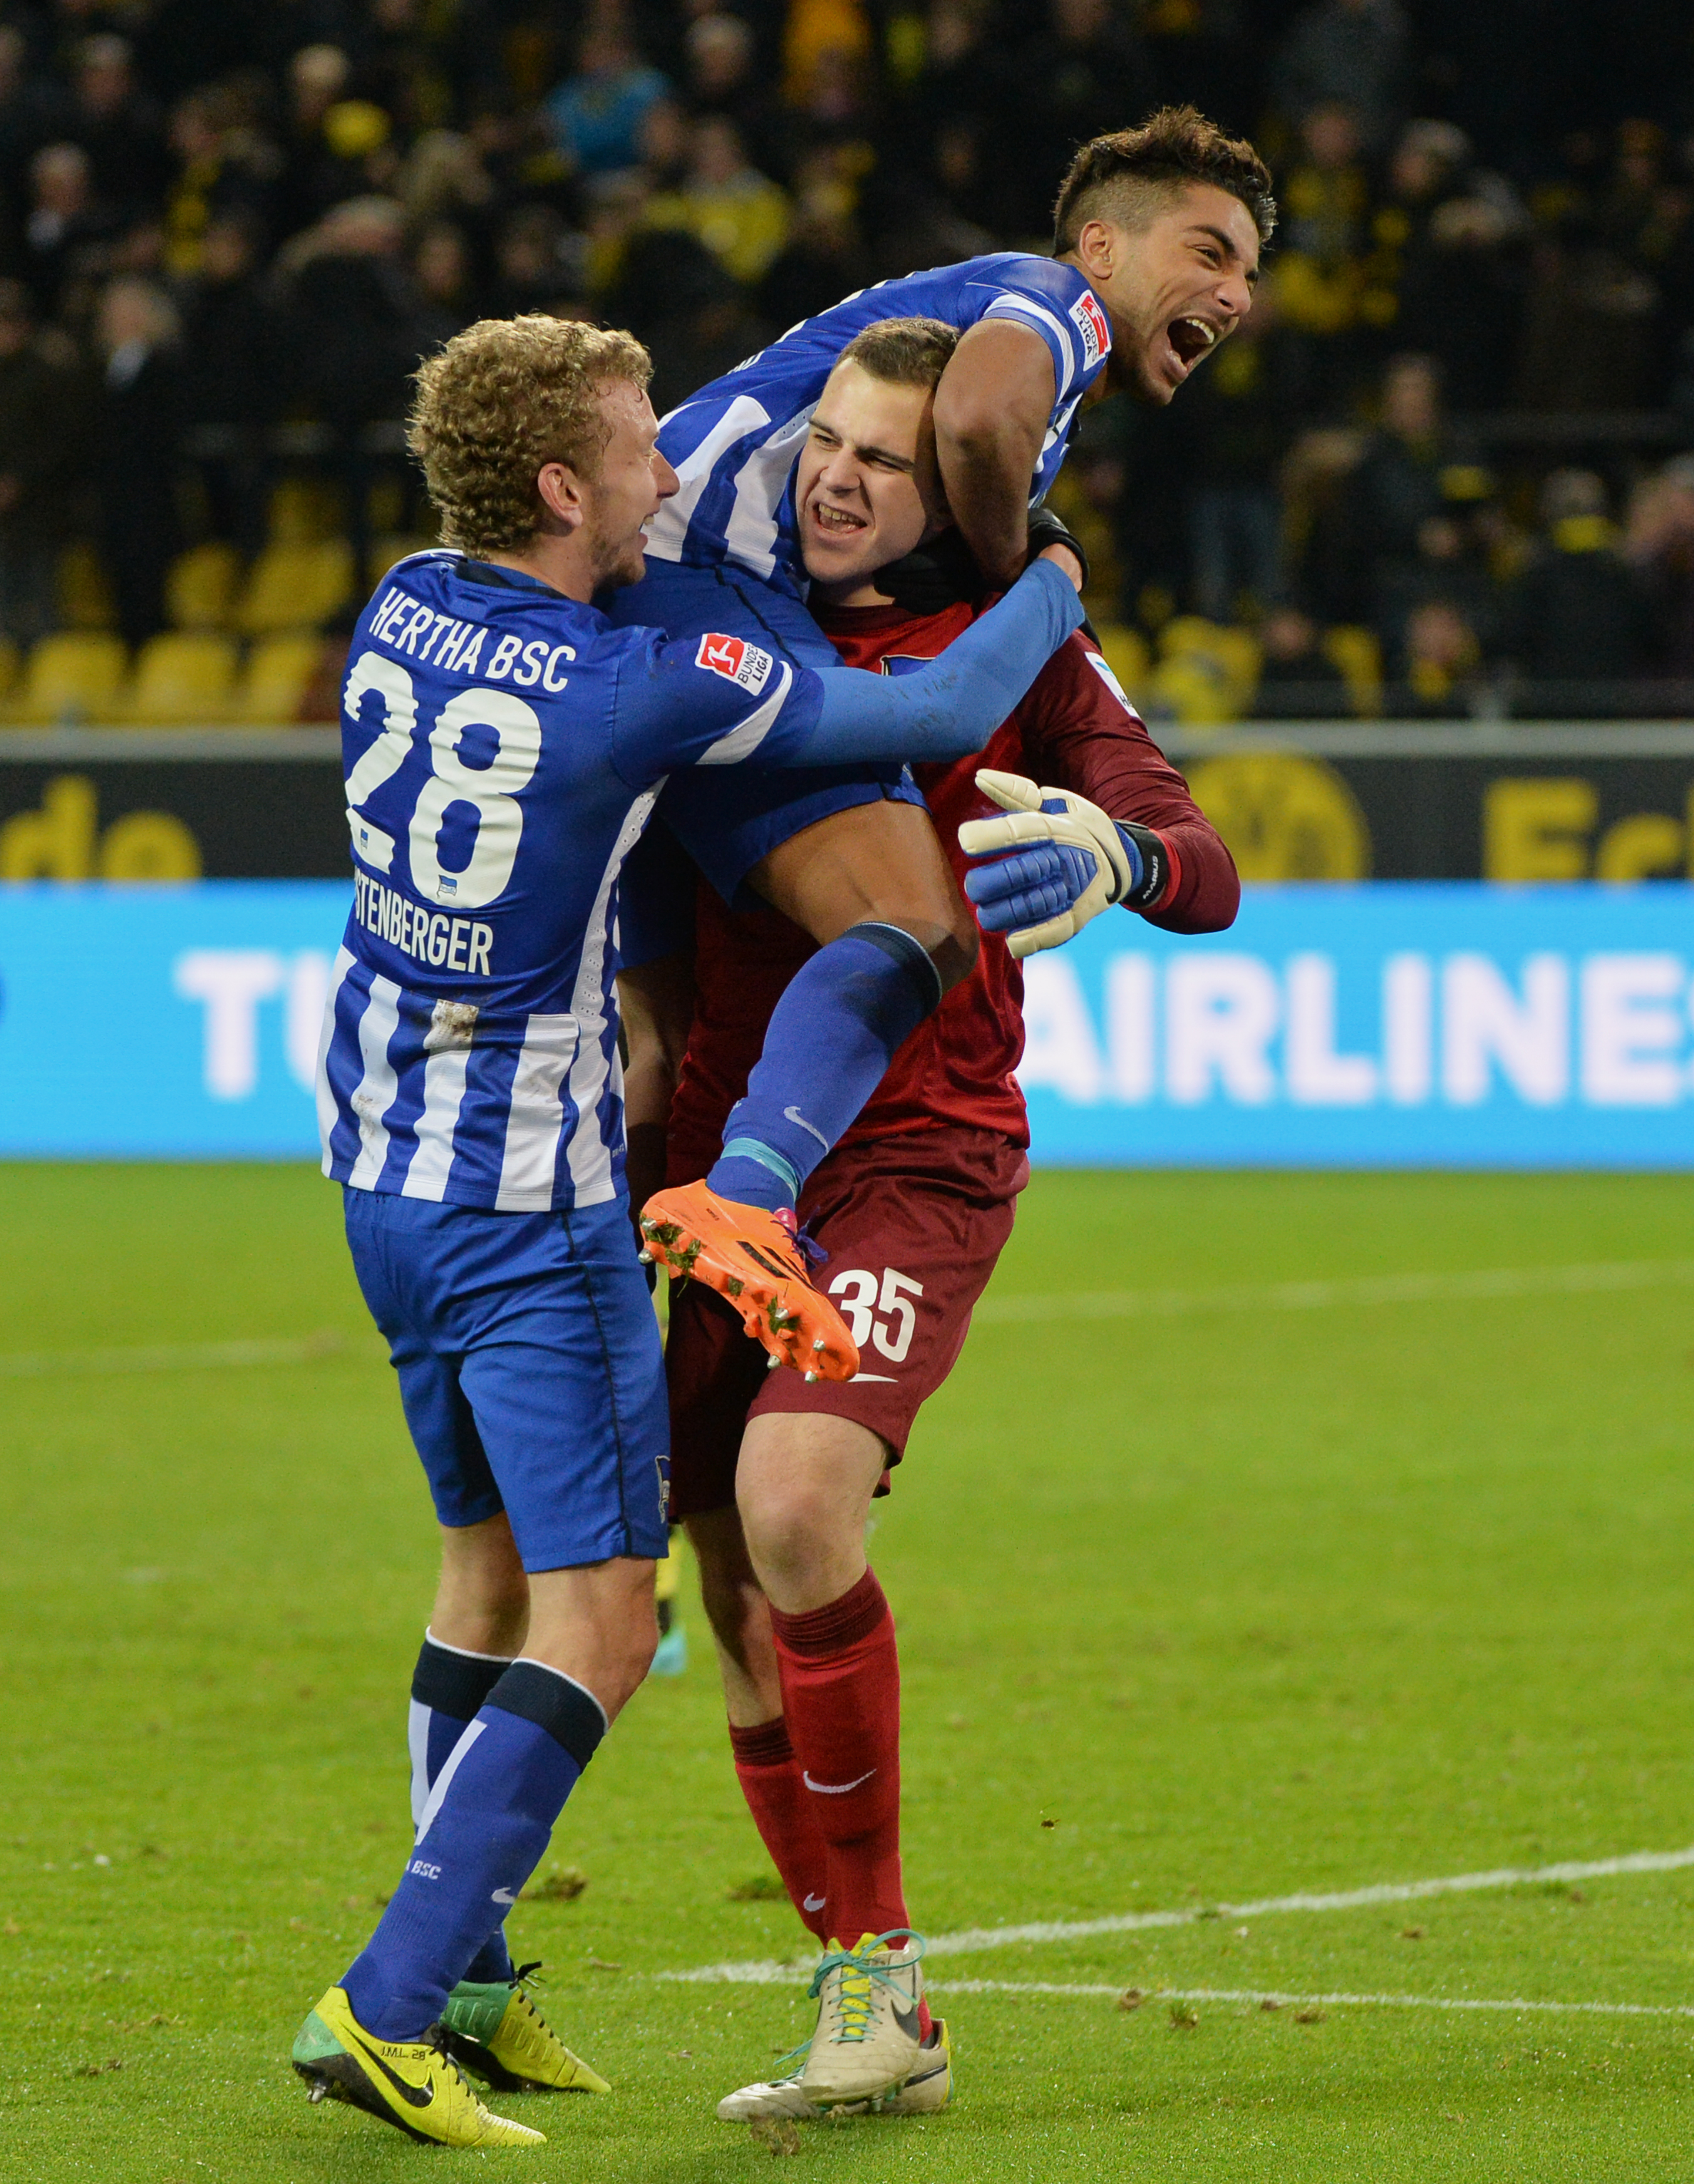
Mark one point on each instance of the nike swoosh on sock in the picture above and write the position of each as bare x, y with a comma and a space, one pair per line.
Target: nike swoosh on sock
836, 1789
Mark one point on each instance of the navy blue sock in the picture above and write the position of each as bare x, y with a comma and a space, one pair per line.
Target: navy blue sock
830, 1038
483, 1829
448, 1688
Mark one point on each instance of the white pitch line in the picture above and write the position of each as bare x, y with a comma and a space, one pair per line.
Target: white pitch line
971, 1941
1261, 1996
169, 1358
1478, 1284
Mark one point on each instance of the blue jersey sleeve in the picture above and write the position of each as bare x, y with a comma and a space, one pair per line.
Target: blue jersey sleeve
714, 699
1057, 303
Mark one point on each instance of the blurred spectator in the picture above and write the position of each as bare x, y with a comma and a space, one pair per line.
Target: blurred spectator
596, 114
350, 313
317, 76
444, 177
119, 127
1442, 657
675, 295
1578, 613
32, 113
1599, 308
1395, 490
538, 265
824, 259
441, 275
136, 437
1237, 420
231, 379
223, 170
1345, 52
1660, 547
1297, 679
1320, 261
722, 79
41, 448
1066, 79
1445, 272
66, 227
739, 214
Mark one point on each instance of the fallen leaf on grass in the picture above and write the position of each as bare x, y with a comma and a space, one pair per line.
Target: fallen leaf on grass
1451, 2115
777, 2134
1131, 1998
1313, 2016
1185, 2018
1270, 2002
98, 2069
1049, 1823
599, 1964
763, 1888
11, 1926
1412, 1933
564, 1884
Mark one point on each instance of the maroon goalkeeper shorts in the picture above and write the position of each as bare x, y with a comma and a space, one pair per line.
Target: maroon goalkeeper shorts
913, 1226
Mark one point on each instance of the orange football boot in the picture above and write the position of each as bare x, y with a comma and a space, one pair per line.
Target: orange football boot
751, 1258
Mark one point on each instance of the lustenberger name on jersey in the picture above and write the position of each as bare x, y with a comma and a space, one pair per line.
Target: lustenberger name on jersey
407, 626
457, 943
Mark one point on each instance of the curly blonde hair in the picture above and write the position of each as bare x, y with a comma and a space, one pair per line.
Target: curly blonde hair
500, 400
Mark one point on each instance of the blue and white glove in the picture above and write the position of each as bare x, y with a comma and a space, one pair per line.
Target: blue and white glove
1053, 862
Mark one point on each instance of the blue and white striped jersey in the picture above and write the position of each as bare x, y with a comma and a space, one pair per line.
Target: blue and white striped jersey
734, 445
503, 747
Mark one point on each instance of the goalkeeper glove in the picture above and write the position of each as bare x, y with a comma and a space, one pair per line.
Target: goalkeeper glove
1054, 862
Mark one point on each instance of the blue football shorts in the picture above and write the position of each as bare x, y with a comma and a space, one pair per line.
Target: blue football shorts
530, 1369
727, 817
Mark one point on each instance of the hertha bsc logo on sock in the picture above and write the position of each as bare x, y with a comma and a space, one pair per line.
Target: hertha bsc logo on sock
735, 660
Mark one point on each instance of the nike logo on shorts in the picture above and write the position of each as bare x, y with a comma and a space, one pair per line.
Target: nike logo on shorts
836, 1789
503, 1896
814, 1903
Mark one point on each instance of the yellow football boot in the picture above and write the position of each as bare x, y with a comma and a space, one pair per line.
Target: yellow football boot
497, 2033
409, 2083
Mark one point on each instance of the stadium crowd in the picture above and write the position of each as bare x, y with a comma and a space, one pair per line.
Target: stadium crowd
1439, 473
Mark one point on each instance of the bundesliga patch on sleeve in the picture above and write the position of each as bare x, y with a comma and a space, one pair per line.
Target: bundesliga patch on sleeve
1090, 322
736, 661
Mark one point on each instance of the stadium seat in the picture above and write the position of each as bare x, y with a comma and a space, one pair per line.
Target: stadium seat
1357, 654
279, 671
187, 679
85, 593
201, 585
1207, 672
296, 587
72, 678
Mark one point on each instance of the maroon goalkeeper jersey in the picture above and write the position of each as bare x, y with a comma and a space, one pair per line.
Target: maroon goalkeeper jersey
1072, 730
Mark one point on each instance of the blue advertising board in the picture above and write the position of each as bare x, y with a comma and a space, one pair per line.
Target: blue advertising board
1413, 1024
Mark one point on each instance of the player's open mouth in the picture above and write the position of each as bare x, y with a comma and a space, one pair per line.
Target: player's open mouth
841, 521
1191, 337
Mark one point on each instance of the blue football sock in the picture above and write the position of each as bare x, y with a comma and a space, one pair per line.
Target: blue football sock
448, 1688
830, 1038
483, 1829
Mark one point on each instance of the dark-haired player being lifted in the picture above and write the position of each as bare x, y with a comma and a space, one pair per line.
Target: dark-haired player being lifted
775, 1478
1157, 235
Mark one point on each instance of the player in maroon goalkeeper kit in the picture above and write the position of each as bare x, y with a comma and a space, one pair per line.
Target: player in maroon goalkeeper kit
1070, 808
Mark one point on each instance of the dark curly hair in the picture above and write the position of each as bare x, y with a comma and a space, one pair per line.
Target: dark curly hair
1176, 145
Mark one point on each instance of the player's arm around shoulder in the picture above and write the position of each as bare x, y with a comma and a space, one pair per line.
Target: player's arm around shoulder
1113, 824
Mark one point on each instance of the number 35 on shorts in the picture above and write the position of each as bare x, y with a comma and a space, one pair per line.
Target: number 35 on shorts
879, 1309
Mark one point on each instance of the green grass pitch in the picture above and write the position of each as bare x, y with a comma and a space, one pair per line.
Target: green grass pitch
1210, 1605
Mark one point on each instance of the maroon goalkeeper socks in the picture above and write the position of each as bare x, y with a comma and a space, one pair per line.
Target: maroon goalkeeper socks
770, 1780
840, 1675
